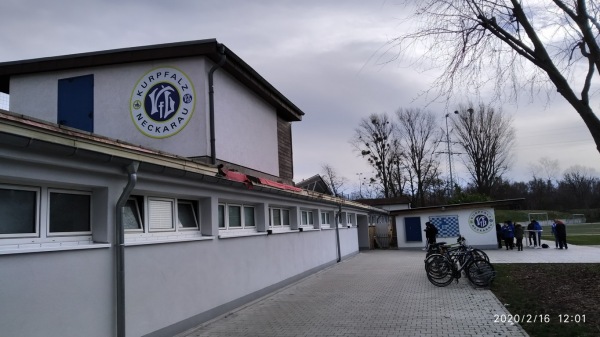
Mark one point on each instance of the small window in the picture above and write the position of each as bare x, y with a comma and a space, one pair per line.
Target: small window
249, 216
235, 216
160, 214
132, 219
186, 214
18, 208
275, 217
285, 217
221, 216
325, 218
351, 219
307, 218
77, 220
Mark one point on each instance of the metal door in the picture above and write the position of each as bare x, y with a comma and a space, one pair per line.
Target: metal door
412, 229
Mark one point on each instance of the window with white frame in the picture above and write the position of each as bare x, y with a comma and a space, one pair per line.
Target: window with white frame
66, 214
325, 220
155, 215
307, 218
236, 216
19, 208
279, 217
77, 220
351, 219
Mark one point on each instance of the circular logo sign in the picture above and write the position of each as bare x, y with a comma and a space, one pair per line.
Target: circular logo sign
162, 102
481, 221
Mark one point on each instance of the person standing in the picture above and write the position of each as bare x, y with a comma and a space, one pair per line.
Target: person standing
554, 234
561, 234
531, 233
519, 231
538, 232
499, 234
508, 234
430, 233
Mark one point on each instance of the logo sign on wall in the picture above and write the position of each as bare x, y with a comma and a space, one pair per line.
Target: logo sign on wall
162, 102
482, 221
446, 225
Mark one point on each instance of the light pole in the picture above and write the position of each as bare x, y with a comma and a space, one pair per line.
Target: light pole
449, 154
360, 183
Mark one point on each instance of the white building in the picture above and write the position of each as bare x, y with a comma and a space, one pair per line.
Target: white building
476, 222
137, 199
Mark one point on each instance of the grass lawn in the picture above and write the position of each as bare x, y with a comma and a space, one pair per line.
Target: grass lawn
578, 234
562, 299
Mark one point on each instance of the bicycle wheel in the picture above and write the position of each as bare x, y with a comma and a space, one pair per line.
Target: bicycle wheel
479, 254
439, 270
480, 273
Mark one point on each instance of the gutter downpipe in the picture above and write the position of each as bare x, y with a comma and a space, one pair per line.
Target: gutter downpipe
120, 236
211, 103
337, 232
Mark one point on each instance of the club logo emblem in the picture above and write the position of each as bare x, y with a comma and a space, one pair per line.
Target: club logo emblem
162, 102
481, 221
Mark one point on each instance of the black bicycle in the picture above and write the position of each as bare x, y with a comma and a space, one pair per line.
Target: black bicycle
442, 269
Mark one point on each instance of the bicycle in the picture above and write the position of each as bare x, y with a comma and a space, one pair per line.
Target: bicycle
442, 269
460, 246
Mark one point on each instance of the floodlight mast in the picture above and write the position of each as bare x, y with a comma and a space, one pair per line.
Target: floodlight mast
451, 187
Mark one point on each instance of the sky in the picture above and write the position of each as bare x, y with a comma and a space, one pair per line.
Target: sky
332, 59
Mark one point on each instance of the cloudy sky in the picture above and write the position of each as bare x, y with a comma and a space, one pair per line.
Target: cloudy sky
328, 57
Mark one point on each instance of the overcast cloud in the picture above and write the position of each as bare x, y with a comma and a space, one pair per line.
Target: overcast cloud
327, 57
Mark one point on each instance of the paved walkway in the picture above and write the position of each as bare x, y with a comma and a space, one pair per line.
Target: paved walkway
382, 293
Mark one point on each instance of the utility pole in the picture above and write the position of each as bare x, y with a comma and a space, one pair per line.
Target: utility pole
451, 187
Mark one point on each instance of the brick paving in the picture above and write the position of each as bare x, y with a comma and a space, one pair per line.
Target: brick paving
382, 293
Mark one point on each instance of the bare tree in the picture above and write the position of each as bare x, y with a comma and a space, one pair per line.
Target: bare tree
419, 138
579, 182
546, 168
334, 181
512, 44
486, 138
374, 139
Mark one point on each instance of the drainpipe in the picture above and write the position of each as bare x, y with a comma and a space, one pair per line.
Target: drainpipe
338, 219
211, 103
120, 238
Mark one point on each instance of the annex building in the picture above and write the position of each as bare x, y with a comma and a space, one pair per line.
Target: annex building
146, 190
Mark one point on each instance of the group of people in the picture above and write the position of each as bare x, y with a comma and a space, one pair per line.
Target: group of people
508, 232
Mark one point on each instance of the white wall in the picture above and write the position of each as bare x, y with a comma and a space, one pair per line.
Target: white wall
246, 126
474, 238
166, 283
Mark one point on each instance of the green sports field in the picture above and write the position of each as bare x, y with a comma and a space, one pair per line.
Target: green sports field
578, 234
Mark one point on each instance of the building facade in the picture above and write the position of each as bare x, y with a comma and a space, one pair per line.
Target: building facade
147, 190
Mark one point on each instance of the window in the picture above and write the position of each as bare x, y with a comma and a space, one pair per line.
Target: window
236, 216
160, 214
351, 221
325, 218
38, 215
163, 215
279, 217
78, 218
307, 218
249, 216
76, 102
19, 209
186, 215
132, 216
